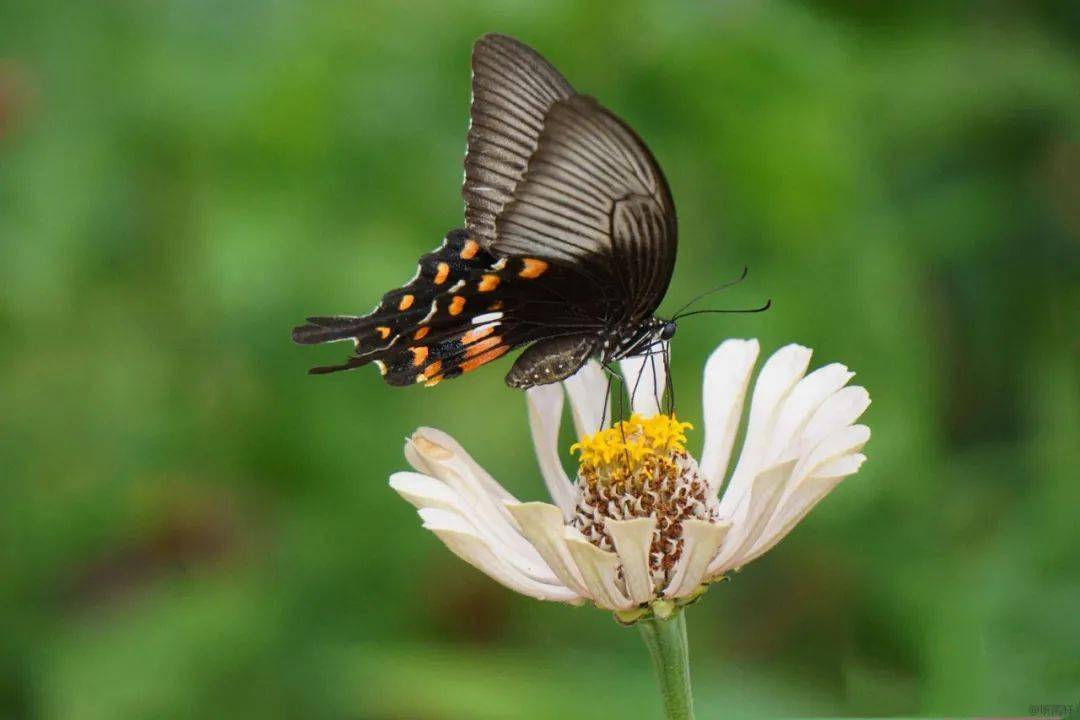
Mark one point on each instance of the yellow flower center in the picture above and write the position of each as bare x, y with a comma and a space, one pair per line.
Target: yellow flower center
630, 445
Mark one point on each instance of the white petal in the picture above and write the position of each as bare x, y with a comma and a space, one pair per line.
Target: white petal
599, 569
422, 491
727, 374
815, 475
632, 539
807, 396
646, 380
701, 541
471, 548
806, 494
778, 376
448, 445
543, 525
839, 410
752, 517
588, 389
841, 466
844, 441
545, 413
443, 459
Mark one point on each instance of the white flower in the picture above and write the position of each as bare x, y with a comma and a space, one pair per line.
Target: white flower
643, 528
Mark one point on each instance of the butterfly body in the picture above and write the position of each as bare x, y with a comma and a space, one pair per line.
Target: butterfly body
568, 250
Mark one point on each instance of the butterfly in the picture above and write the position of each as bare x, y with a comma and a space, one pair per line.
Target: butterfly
568, 246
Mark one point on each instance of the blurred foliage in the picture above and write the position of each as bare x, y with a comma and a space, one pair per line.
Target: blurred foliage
191, 527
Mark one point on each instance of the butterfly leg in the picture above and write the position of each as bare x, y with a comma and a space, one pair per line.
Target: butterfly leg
607, 399
670, 382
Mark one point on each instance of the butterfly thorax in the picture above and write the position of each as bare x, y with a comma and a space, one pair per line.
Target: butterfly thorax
644, 338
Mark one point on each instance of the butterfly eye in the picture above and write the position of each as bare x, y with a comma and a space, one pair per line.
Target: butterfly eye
668, 331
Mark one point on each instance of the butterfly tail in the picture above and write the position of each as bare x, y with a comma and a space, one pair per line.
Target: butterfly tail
330, 329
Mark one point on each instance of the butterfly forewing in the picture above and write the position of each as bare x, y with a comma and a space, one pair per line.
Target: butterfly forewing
513, 88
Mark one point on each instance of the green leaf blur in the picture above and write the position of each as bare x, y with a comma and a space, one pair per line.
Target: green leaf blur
192, 527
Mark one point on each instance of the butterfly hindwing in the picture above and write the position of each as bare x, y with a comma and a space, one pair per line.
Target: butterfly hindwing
462, 309
432, 295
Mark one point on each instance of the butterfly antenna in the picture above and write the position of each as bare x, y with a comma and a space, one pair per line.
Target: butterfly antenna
717, 289
763, 308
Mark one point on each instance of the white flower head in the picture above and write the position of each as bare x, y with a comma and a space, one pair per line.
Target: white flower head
643, 528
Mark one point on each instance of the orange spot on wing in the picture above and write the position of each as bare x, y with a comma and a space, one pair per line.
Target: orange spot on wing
488, 283
421, 332
442, 271
406, 302
433, 369
419, 355
469, 251
384, 332
433, 381
487, 357
457, 305
533, 268
475, 334
497, 305
483, 345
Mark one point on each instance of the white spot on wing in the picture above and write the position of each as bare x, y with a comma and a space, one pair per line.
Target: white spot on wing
486, 318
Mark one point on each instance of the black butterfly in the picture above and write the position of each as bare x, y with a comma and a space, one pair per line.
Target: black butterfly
569, 246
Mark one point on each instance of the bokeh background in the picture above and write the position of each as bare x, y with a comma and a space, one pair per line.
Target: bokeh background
192, 527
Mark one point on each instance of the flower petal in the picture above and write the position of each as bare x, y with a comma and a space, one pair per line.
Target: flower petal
807, 493
542, 525
841, 466
727, 374
423, 491
646, 380
436, 453
844, 441
447, 447
840, 410
599, 569
633, 538
752, 517
701, 541
814, 477
804, 400
471, 548
588, 391
778, 376
545, 404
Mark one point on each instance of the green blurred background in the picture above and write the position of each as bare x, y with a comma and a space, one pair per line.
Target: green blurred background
192, 527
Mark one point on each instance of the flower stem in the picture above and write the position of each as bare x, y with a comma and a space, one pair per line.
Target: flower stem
666, 638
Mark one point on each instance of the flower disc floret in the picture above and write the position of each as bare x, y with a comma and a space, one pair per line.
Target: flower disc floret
626, 447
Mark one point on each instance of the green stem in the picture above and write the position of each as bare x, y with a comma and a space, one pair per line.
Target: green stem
666, 638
